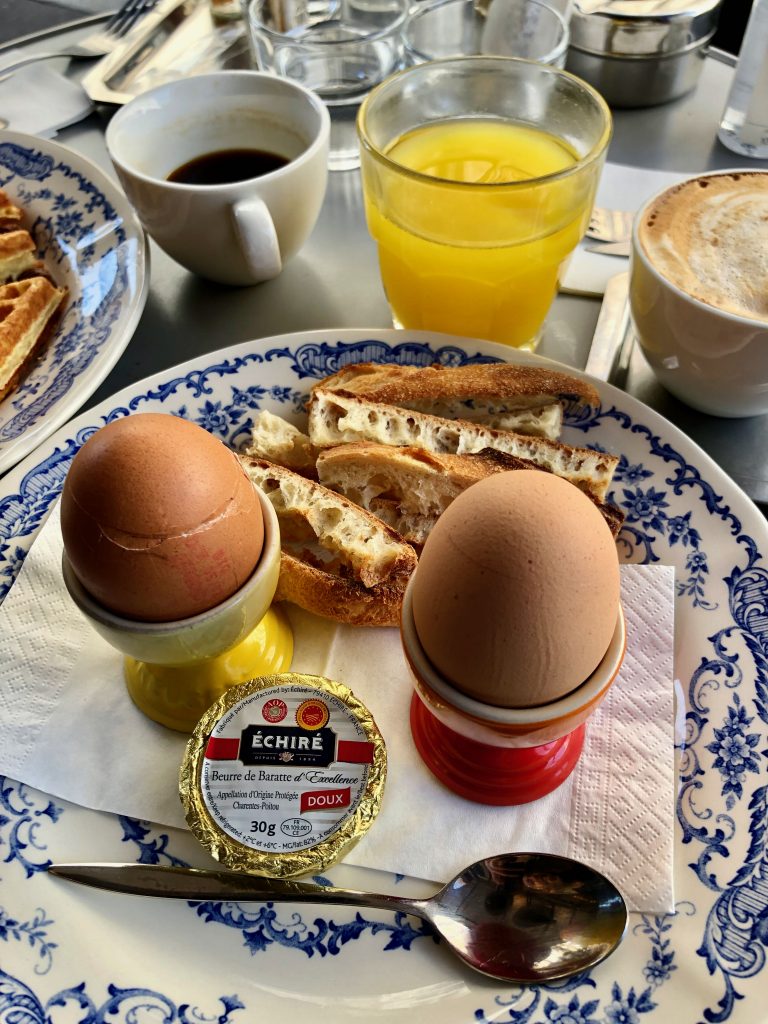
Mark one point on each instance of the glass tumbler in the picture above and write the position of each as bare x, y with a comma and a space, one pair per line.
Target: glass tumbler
340, 49
509, 28
479, 176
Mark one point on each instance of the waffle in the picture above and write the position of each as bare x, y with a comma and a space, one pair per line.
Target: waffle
11, 216
30, 300
17, 255
27, 315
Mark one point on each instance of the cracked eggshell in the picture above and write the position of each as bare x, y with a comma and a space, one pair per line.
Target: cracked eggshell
516, 594
158, 518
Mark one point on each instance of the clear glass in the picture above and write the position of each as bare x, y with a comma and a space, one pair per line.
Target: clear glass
744, 124
340, 49
479, 258
510, 28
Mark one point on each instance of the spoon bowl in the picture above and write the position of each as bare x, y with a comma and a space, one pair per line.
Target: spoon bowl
529, 917
517, 917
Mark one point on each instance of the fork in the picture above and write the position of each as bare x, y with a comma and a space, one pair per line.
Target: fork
98, 43
610, 225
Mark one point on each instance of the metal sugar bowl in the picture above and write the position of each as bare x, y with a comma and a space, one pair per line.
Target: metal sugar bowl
640, 53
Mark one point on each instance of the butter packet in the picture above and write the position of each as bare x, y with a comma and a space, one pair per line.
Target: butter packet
282, 775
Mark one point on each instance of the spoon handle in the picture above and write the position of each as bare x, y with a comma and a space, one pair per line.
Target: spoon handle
203, 885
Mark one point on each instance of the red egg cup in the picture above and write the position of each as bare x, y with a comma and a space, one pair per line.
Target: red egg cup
496, 755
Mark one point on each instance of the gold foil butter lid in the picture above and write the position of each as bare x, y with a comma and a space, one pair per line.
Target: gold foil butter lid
283, 774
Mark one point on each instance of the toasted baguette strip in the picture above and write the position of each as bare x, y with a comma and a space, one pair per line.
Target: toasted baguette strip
422, 481
278, 441
490, 386
436, 391
410, 488
339, 530
333, 597
27, 308
336, 418
339, 561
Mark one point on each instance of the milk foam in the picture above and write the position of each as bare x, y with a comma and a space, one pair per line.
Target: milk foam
709, 236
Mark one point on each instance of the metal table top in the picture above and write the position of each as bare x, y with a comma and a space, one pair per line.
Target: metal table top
334, 281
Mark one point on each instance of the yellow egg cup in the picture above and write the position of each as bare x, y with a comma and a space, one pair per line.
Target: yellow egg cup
174, 671
177, 695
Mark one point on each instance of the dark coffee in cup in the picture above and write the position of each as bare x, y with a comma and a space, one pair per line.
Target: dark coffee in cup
258, 214
224, 166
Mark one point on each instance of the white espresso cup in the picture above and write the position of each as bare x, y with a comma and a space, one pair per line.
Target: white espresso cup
698, 290
237, 232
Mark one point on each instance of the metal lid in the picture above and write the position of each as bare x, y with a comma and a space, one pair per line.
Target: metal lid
642, 28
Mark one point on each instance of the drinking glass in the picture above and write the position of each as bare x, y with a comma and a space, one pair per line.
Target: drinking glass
479, 175
509, 28
340, 49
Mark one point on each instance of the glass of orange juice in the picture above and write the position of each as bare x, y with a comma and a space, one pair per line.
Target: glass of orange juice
479, 176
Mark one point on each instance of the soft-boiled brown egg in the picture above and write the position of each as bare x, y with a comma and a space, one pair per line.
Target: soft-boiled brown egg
516, 595
159, 520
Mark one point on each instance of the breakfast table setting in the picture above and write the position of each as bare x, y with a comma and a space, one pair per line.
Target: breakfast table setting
668, 799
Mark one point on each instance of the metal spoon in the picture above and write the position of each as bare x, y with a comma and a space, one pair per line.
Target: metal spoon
518, 917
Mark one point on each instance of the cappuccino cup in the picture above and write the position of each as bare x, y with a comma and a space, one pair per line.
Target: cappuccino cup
698, 290
227, 171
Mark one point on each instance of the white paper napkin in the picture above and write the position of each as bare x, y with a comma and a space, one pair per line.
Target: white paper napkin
38, 100
68, 728
621, 188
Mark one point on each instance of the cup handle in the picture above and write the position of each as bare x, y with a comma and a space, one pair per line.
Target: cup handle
256, 234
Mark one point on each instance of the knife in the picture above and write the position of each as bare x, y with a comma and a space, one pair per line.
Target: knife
611, 248
612, 331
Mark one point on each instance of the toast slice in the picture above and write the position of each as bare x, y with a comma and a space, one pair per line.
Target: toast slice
278, 441
338, 560
337, 418
410, 488
27, 314
17, 254
475, 391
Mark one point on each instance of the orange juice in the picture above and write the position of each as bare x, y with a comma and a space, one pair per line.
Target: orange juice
465, 245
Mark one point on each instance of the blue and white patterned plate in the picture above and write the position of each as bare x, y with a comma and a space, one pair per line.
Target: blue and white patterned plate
69, 954
93, 244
